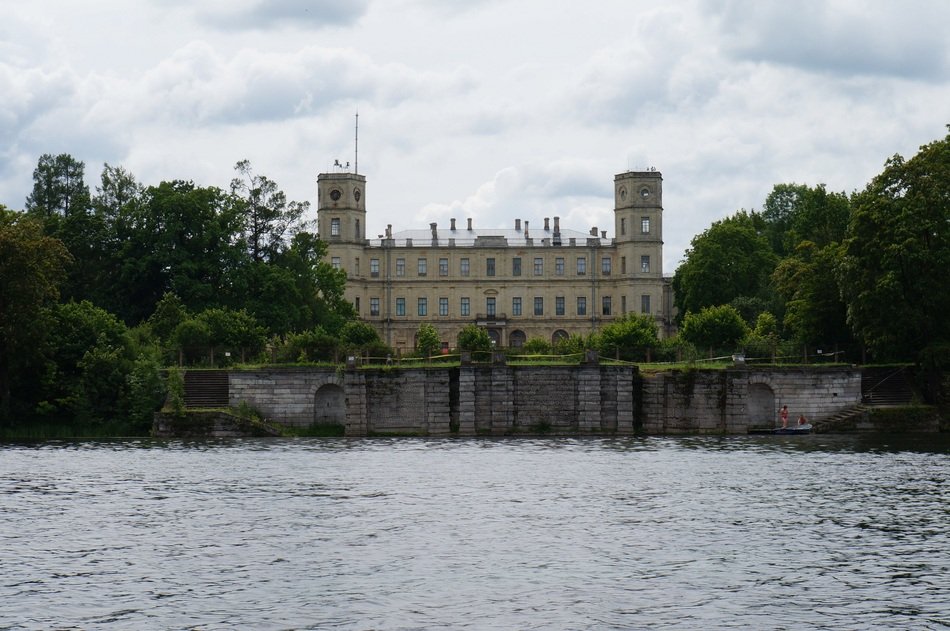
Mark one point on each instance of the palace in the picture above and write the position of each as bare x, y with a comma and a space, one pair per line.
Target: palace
519, 283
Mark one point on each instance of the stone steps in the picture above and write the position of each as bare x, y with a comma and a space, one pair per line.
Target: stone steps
206, 389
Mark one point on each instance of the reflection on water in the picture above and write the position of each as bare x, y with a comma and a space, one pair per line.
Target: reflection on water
738, 532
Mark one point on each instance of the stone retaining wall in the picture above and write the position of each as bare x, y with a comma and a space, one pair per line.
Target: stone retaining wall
576, 400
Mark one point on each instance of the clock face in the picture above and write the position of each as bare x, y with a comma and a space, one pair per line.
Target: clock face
335, 195
644, 192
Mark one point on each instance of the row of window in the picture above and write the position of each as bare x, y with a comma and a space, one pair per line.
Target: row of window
465, 306
422, 266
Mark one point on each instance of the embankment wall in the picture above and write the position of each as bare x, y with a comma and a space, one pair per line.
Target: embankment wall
574, 400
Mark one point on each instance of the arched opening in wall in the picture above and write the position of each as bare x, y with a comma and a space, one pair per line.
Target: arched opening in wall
329, 411
517, 339
761, 405
559, 336
495, 337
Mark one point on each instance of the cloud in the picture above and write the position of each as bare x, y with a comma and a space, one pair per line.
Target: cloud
574, 191
841, 38
267, 14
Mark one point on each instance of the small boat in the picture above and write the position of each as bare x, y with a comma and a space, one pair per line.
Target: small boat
797, 429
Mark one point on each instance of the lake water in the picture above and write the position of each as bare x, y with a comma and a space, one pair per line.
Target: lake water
796, 532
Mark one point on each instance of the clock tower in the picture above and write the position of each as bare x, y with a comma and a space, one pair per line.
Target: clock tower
638, 222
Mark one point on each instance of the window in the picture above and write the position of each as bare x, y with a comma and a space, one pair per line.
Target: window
357, 228
400, 267
605, 266
645, 303
644, 225
645, 263
516, 266
374, 268
356, 304
466, 307
422, 267
581, 265
335, 227
443, 306
581, 305
489, 267
374, 306
538, 306
559, 305
463, 267
400, 306
443, 267
538, 266
490, 306
623, 225
559, 266
356, 266
623, 305
336, 263
422, 306
605, 305
623, 265
516, 306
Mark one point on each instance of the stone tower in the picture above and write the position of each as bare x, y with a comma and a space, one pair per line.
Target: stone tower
638, 223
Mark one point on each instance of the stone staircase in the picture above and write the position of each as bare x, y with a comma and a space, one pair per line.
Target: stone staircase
851, 418
886, 386
206, 389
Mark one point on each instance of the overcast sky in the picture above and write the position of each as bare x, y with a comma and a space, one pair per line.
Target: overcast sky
488, 109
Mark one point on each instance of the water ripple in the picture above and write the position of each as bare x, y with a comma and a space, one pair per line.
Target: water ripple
659, 533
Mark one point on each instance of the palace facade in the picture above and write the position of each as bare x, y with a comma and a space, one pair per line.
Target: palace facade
528, 281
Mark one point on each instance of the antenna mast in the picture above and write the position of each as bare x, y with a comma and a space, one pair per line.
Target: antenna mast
356, 155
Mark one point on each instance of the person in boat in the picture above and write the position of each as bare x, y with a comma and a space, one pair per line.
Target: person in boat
802, 420
783, 414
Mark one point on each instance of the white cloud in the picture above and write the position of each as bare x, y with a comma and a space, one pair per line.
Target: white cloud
483, 109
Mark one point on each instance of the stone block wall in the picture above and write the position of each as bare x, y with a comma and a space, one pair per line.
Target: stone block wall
502, 400
718, 401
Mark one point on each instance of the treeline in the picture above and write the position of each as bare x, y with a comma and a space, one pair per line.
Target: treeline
100, 290
865, 272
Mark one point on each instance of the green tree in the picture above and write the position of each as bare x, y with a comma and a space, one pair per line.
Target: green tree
474, 338
808, 282
32, 266
897, 253
628, 337
89, 355
728, 260
168, 314
269, 219
59, 189
714, 327
795, 212
537, 346
428, 341
231, 329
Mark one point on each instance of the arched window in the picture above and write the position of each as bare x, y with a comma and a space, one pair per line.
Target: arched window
517, 339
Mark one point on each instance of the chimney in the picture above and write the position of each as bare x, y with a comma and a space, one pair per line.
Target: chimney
557, 225
547, 226
435, 233
603, 234
453, 223
469, 224
517, 225
389, 231
525, 228
593, 231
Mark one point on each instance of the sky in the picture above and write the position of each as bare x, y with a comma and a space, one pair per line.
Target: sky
489, 109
